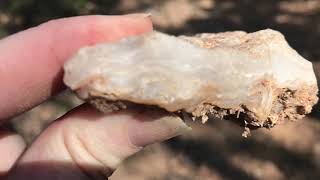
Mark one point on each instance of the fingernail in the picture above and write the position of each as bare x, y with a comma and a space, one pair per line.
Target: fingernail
140, 15
152, 127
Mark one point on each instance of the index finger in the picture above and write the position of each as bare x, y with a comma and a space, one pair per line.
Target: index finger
31, 61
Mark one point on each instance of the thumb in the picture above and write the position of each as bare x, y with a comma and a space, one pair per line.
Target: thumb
87, 144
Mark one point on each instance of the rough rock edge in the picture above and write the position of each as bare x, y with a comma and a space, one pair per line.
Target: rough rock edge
106, 106
287, 105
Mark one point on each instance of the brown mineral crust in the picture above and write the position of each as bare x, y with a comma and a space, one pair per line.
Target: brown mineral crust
211, 40
106, 106
235, 39
292, 104
254, 43
288, 105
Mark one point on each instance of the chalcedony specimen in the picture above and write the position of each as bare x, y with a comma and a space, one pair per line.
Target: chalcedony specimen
256, 78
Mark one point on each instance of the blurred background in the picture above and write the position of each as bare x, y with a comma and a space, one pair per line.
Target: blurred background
215, 150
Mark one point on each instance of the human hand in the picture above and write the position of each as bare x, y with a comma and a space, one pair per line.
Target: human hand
83, 144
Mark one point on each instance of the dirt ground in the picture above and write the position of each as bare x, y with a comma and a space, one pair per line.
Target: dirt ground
215, 150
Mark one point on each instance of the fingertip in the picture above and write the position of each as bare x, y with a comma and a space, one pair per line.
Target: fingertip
35, 73
12, 146
76, 32
155, 126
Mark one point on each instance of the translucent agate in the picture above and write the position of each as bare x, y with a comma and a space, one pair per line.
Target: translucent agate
255, 78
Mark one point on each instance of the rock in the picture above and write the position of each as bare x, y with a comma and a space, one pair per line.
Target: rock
254, 78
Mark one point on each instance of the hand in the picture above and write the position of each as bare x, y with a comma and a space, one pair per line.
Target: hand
84, 144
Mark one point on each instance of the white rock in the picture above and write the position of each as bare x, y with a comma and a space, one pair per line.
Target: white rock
257, 77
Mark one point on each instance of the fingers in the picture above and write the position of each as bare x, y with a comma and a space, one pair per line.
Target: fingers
86, 143
31, 61
11, 147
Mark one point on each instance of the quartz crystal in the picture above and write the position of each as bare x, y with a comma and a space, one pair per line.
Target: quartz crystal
254, 78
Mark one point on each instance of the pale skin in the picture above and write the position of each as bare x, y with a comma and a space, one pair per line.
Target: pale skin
83, 144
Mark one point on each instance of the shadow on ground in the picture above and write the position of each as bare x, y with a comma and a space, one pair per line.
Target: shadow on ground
216, 156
